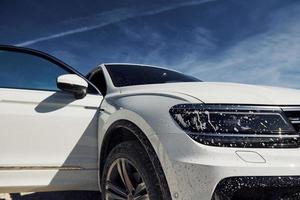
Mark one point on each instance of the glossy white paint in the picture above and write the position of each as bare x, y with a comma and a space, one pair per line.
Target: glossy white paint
225, 93
54, 129
193, 170
72, 79
42, 130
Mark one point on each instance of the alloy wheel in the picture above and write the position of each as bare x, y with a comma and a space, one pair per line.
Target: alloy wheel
124, 182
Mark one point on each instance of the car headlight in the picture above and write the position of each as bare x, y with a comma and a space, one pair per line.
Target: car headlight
236, 125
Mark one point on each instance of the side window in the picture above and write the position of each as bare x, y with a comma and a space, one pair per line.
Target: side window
98, 79
26, 71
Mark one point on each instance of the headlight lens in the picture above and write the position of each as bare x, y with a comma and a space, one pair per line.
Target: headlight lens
236, 126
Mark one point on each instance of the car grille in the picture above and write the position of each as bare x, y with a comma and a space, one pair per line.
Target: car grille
258, 188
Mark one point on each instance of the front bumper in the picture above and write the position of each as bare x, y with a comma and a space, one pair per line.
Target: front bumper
199, 172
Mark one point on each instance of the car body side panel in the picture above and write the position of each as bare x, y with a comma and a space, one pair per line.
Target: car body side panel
14, 181
48, 139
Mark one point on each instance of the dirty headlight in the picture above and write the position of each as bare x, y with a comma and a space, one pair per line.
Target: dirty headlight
236, 126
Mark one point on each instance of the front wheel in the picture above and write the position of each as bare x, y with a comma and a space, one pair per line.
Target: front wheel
128, 174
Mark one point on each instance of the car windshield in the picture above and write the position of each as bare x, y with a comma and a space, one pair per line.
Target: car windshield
129, 75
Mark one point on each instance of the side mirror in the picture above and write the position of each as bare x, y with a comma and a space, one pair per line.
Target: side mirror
74, 84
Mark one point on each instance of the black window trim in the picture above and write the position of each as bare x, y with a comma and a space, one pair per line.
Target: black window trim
92, 73
47, 57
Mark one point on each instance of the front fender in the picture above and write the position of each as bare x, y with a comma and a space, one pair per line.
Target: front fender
150, 113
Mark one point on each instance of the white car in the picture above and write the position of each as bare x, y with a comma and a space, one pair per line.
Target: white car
143, 133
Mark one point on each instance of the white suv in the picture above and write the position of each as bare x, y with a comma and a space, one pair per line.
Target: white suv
142, 132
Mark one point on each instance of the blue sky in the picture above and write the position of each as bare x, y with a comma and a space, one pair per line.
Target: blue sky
243, 41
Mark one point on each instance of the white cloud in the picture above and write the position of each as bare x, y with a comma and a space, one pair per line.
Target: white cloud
111, 17
272, 57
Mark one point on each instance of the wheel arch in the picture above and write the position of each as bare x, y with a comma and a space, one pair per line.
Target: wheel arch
123, 130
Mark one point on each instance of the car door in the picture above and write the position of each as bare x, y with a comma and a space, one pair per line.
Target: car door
48, 138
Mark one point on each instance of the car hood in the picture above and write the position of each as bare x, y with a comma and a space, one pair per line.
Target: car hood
226, 93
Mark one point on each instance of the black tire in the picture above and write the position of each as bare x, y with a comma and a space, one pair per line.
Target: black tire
136, 157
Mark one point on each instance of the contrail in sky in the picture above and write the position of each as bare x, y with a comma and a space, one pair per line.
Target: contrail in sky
111, 17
